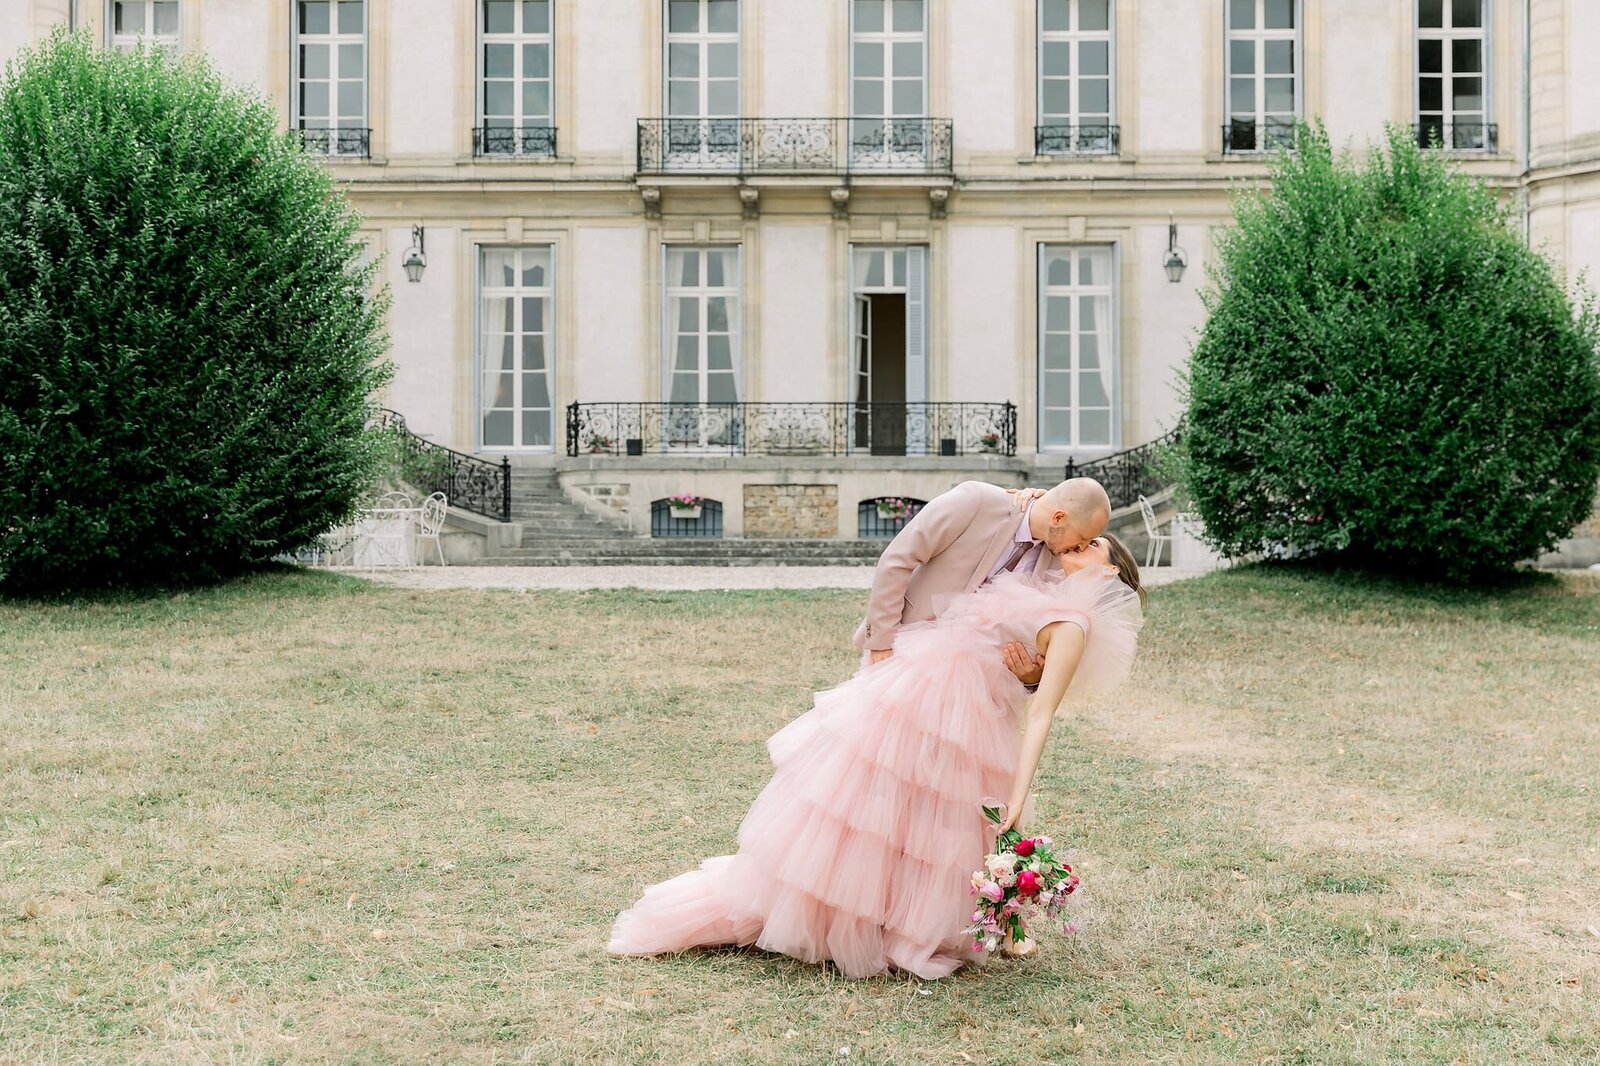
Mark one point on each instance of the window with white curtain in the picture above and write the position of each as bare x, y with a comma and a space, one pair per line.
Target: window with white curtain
1075, 77
1263, 73
130, 21
701, 343
330, 75
1078, 386
515, 316
514, 112
1452, 75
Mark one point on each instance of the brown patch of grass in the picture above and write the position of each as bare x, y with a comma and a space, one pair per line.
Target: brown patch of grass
301, 819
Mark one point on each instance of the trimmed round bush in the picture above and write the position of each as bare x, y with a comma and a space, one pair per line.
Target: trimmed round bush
188, 346
1388, 373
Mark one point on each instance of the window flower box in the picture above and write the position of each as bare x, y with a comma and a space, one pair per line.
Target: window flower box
894, 509
600, 444
685, 506
989, 442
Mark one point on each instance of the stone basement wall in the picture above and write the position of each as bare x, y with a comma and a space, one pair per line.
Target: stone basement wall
792, 511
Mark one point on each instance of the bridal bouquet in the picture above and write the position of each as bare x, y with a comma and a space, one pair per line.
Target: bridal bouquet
1021, 880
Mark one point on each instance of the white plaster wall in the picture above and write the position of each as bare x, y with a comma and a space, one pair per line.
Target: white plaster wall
608, 314
1359, 59
608, 74
983, 52
422, 77
797, 39
423, 334
16, 28
1582, 73
1169, 317
1172, 72
1583, 245
798, 319
987, 362
238, 41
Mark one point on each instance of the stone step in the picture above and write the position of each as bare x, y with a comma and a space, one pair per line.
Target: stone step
636, 548
553, 512
669, 560
642, 551
548, 508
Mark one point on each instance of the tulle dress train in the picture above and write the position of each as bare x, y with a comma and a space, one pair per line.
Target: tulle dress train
862, 846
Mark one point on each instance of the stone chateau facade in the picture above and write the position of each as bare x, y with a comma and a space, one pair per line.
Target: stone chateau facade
798, 255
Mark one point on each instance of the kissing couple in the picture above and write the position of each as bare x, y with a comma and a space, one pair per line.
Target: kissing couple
987, 609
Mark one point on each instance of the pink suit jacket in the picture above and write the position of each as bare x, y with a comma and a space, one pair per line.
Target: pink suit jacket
948, 548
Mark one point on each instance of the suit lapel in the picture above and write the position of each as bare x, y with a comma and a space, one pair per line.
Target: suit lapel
999, 544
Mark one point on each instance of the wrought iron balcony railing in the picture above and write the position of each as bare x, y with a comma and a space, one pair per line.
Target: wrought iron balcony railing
1458, 136
537, 142
344, 141
794, 146
792, 428
468, 482
1090, 139
1246, 135
1129, 474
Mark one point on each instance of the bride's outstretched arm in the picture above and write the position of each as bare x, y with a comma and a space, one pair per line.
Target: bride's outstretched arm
1062, 643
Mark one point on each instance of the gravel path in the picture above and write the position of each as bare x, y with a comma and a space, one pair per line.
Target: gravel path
654, 577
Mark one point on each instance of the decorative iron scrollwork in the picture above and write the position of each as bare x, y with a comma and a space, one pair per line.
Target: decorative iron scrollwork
827, 428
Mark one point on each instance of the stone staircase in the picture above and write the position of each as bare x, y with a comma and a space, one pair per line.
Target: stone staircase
687, 551
558, 532
547, 514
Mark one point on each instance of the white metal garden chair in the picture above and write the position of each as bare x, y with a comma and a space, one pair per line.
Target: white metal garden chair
431, 523
392, 500
1152, 532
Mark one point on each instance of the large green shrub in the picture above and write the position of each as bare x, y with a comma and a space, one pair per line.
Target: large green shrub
187, 343
1388, 373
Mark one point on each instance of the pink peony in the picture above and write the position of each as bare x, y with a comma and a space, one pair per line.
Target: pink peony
992, 892
1028, 883
1023, 848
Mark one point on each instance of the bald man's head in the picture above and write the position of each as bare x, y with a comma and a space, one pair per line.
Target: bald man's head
1071, 515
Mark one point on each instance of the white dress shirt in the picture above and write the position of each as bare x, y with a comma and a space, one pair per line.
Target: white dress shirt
1030, 557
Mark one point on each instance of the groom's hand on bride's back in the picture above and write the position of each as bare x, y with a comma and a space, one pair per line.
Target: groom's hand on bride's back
878, 655
1028, 668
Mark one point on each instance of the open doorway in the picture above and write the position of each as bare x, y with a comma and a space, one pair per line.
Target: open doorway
888, 389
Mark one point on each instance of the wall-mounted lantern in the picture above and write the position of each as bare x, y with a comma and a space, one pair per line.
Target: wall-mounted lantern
416, 259
1176, 259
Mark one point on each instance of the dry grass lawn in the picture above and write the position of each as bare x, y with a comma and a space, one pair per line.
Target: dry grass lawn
302, 819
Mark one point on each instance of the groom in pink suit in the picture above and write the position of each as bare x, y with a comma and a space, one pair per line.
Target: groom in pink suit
968, 535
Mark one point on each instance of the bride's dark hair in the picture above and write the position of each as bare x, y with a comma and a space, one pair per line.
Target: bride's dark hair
1122, 559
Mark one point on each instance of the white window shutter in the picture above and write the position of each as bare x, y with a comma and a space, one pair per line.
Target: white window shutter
916, 350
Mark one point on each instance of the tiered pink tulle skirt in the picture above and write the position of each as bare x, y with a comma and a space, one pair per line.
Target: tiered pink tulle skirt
861, 848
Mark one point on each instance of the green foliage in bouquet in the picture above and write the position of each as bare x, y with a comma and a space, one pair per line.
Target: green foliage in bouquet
1388, 373
188, 345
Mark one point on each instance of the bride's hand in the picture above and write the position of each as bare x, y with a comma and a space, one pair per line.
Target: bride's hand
1024, 496
1012, 818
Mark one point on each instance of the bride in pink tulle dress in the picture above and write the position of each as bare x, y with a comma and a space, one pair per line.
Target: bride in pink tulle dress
861, 848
